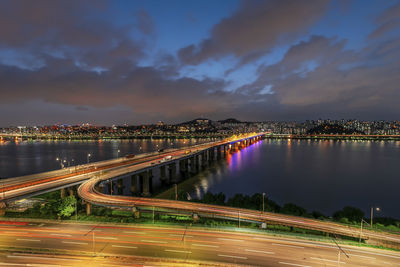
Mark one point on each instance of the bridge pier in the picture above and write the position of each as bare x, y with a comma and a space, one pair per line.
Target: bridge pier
88, 208
210, 155
71, 191
172, 173
182, 168
163, 175
203, 160
197, 163
134, 183
63, 193
218, 152
3, 207
193, 166
120, 187
144, 183
150, 175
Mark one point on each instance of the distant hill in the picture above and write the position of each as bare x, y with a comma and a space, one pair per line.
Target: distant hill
196, 122
332, 129
230, 120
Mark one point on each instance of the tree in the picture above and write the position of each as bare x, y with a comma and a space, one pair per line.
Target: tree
293, 209
351, 213
66, 206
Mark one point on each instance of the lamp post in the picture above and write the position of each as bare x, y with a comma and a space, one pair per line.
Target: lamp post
372, 213
118, 153
61, 164
88, 157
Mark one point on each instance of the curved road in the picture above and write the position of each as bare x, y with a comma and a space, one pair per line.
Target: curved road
88, 192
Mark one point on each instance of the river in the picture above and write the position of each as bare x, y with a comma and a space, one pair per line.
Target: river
317, 175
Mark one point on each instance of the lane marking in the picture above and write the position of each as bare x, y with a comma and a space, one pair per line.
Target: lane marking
30, 240
121, 246
51, 228
76, 243
177, 251
259, 251
355, 255
284, 245
61, 235
320, 259
154, 241
133, 232
12, 264
41, 258
232, 256
180, 235
204, 245
228, 239
293, 264
106, 237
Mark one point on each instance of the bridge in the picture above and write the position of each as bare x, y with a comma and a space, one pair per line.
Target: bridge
188, 159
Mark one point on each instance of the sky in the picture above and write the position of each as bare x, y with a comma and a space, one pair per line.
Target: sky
143, 61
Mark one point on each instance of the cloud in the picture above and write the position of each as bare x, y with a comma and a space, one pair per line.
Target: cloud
387, 22
145, 22
256, 28
78, 30
342, 82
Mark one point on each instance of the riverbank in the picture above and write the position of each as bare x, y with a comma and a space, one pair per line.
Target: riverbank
335, 137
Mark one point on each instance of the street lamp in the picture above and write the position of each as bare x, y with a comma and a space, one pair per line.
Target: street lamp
372, 213
88, 156
118, 153
61, 164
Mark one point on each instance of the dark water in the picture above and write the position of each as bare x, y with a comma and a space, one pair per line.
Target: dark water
21, 158
318, 175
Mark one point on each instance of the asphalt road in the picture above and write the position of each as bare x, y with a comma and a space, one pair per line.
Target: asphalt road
88, 192
118, 243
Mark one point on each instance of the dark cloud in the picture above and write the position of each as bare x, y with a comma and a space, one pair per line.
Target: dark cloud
341, 82
387, 22
143, 89
145, 22
79, 30
256, 27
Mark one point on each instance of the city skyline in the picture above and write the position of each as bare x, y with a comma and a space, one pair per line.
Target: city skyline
138, 62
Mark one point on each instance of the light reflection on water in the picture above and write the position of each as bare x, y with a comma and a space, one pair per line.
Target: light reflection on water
318, 175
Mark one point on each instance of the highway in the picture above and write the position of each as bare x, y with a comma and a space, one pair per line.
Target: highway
138, 245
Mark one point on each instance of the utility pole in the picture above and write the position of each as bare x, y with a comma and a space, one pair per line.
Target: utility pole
239, 217
153, 214
372, 213
362, 220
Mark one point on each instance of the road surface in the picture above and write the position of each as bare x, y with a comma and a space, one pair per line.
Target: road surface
190, 245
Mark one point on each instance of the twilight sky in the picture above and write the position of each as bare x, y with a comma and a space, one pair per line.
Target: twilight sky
114, 62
